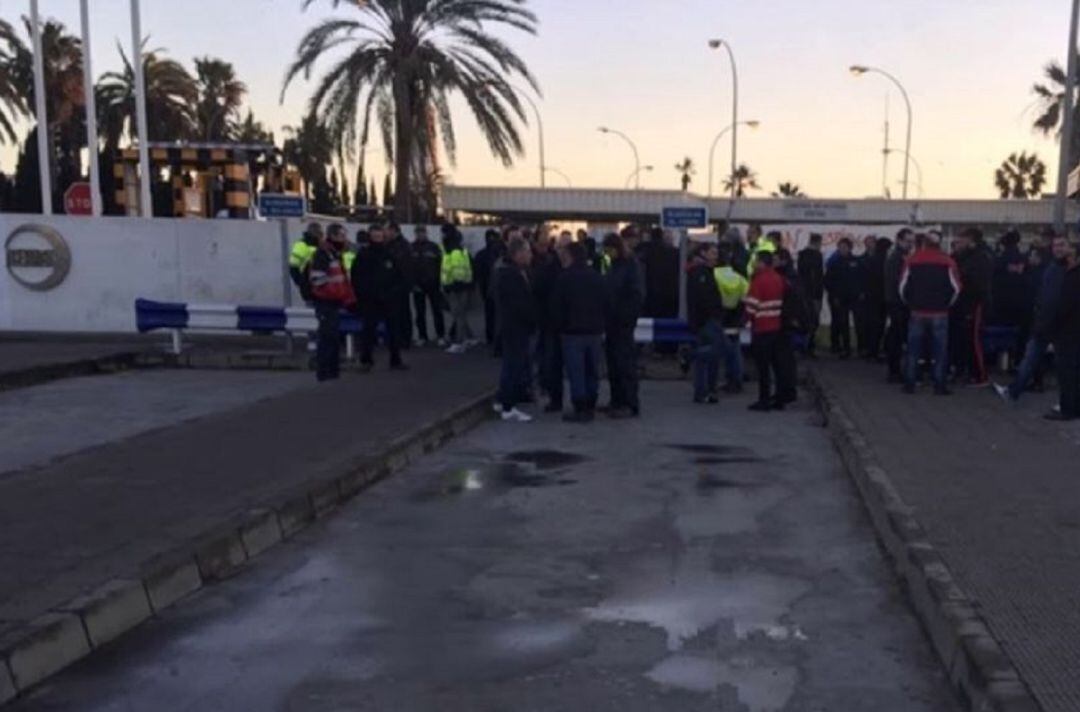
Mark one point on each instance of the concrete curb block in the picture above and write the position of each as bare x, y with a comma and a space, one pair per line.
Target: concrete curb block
977, 667
30, 654
45, 373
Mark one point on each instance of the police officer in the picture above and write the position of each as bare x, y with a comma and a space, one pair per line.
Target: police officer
303, 251
380, 282
427, 259
331, 292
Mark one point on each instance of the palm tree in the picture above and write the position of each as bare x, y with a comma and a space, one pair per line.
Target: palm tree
405, 58
788, 190
686, 171
171, 97
12, 100
1021, 176
744, 179
220, 97
309, 148
1052, 105
251, 131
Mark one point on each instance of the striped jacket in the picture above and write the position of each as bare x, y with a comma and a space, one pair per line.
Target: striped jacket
765, 301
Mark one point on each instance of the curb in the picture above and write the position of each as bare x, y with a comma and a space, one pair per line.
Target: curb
55, 640
36, 375
977, 667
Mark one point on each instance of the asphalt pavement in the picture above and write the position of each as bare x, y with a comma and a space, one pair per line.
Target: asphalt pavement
702, 558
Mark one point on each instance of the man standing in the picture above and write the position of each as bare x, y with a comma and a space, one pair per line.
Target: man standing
427, 263
331, 292
401, 251
625, 297
1067, 341
896, 334
547, 266
380, 281
706, 314
733, 288
1044, 318
929, 285
976, 267
579, 316
764, 309
484, 269
844, 281
457, 282
1012, 294
303, 251
517, 316
811, 270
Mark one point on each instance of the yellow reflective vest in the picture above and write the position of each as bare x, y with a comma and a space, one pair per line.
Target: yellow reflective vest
456, 268
301, 255
763, 245
732, 285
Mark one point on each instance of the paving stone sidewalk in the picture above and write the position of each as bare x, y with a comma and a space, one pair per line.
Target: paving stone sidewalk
97, 515
997, 489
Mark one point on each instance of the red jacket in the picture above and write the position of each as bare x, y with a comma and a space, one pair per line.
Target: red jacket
765, 301
930, 283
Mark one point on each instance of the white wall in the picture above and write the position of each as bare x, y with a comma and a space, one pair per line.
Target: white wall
114, 261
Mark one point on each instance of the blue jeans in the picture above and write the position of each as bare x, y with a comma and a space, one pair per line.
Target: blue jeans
1033, 356
712, 345
581, 356
733, 361
936, 328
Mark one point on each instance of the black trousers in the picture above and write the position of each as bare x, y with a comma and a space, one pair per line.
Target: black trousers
403, 319
965, 342
551, 366
895, 338
515, 379
489, 319
874, 318
621, 353
328, 344
1067, 354
765, 348
373, 315
840, 329
814, 325
422, 296
787, 370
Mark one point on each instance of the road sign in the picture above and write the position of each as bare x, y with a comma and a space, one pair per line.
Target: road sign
685, 218
281, 205
77, 200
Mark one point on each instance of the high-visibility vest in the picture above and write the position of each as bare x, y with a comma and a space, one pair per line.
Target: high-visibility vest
456, 268
762, 245
732, 285
333, 284
605, 263
301, 255
347, 259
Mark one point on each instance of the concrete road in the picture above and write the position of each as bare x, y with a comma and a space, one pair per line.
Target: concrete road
700, 559
48, 421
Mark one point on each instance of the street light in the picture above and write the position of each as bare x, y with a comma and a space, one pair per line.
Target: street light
858, 70
918, 168
556, 171
1067, 127
717, 44
539, 130
636, 173
633, 147
712, 151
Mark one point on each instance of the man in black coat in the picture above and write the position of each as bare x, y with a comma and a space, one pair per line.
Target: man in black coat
427, 264
546, 267
976, 266
402, 252
811, 272
844, 282
899, 317
483, 271
578, 312
380, 283
625, 297
517, 320
1067, 340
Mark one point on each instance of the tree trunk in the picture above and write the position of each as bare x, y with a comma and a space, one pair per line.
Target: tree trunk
403, 148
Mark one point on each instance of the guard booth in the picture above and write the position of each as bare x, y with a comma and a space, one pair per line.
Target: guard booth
201, 180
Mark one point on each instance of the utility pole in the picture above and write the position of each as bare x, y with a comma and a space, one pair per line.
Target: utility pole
1067, 128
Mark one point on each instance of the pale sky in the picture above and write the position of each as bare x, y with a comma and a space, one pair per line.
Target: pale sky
643, 67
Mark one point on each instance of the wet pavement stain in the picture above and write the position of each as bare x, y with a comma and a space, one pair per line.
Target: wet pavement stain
546, 459
712, 481
706, 449
496, 478
733, 460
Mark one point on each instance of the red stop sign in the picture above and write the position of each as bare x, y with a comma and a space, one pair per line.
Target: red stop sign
77, 200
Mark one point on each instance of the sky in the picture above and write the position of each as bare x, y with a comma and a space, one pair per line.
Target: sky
644, 67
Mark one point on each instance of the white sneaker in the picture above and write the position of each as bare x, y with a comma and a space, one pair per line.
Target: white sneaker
497, 408
471, 343
441, 343
456, 349
516, 416
1003, 392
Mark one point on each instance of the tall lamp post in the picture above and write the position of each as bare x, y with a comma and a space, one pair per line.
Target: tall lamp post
635, 174
633, 147
717, 44
858, 70
712, 151
540, 131
146, 207
44, 156
1067, 127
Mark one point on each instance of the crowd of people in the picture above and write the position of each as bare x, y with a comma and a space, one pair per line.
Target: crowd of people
557, 307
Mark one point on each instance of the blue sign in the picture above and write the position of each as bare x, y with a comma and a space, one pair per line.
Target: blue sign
280, 205
685, 218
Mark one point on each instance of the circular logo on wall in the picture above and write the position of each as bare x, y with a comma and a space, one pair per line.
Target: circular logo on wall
37, 257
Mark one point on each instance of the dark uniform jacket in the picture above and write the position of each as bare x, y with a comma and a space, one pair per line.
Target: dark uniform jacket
427, 260
517, 310
377, 277
811, 267
578, 301
625, 296
703, 297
